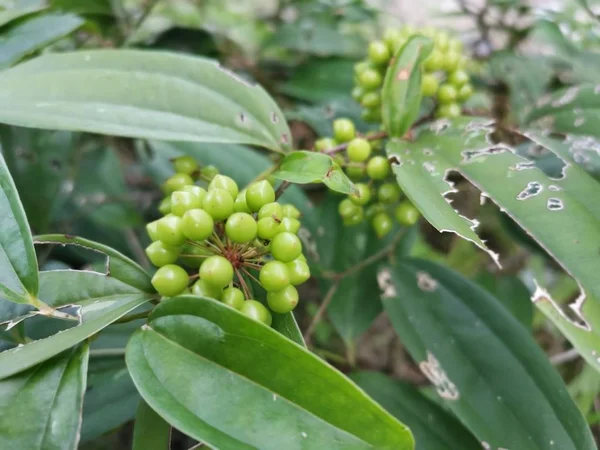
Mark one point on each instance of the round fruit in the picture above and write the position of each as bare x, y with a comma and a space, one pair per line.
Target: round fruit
451, 61
218, 203
449, 111
388, 193
343, 130
203, 289
465, 92
273, 210
169, 231
193, 255
196, 190
382, 224
291, 211
286, 247
233, 297
373, 210
152, 229
371, 100
434, 62
165, 206
358, 150
209, 172
429, 85
407, 214
442, 40
274, 276
371, 115
455, 45
170, 280
299, 271
224, 182
362, 196
240, 204
378, 168
197, 224
257, 311
283, 301
392, 38
355, 172
347, 208
182, 201
290, 225
357, 93
369, 79
176, 183
355, 219
160, 254
361, 67
379, 53
241, 228
458, 78
185, 164
259, 194
324, 144
217, 271
267, 228
447, 93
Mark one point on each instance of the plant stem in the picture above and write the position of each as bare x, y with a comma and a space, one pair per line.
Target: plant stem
102, 352
132, 317
243, 285
342, 147
320, 312
281, 189
251, 276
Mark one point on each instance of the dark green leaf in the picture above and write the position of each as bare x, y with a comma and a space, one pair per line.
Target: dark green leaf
151, 432
96, 7
207, 369
151, 95
401, 92
33, 34
484, 364
41, 408
512, 293
10, 14
433, 427
311, 167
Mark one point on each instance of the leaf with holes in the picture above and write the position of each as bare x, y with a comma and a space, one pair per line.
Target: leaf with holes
485, 366
142, 94
203, 367
304, 167
401, 92
41, 408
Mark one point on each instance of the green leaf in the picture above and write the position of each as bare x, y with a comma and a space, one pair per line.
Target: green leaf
141, 94
207, 369
118, 265
433, 427
485, 366
41, 408
92, 7
151, 432
401, 92
10, 14
34, 34
18, 262
512, 293
95, 317
304, 167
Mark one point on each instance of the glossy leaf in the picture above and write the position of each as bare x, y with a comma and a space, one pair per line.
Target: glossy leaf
433, 427
207, 370
95, 317
485, 366
150, 95
10, 14
512, 293
118, 265
151, 432
41, 408
18, 262
401, 92
310, 167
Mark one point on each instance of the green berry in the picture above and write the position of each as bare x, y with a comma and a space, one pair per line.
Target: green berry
347, 208
273, 209
209, 172
240, 204
429, 85
358, 150
160, 254
455, 45
182, 201
218, 203
355, 172
283, 301
388, 193
176, 183
434, 62
267, 228
343, 130
451, 61
458, 78
447, 93
392, 38
233, 297
217, 271
371, 100
259, 194
165, 206
406, 214
371, 115
299, 271
378, 168
369, 79
291, 211
373, 210
360, 67
170, 280
274, 276
185, 164
465, 92
442, 41
290, 225
407, 31
286, 247
169, 231
379, 53
152, 230
192, 255
257, 311
241, 228
196, 190
449, 111
362, 196
357, 93
382, 224
355, 219
324, 144
224, 182
197, 224
203, 289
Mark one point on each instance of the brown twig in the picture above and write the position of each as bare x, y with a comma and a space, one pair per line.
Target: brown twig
320, 312
281, 189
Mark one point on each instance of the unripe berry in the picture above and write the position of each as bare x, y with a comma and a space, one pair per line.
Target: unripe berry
197, 224
324, 144
185, 164
283, 301
218, 203
447, 93
369, 79
290, 225
274, 276
358, 150
465, 92
241, 228
196, 190
429, 85
379, 53
451, 61
299, 271
203, 289
382, 224
360, 67
176, 183
354, 219
209, 172
259, 194
273, 209
371, 115
392, 39
371, 100
373, 210
160, 254
388, 193
291, 211
182, 201
449, 111
224, 182
458, 78
240, 204
169, 231
347, 208
165, 206
217, 271
170, 280
455, 45
233, 297
152, 229
267, 228
257, 311
343, 130
362, 196
442, 40
192, 255
406, 214
357, 93
378, 168
286, 247
434, 62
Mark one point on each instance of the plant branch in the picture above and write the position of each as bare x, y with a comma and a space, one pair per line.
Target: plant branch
243, 285
103, 352
320, 312
281, 189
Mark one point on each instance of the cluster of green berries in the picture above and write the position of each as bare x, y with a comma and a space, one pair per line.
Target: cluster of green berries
378, 197
445, 77
227, 237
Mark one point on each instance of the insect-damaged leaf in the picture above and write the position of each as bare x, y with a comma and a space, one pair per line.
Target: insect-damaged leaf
311, 167
401, 92
484, 365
